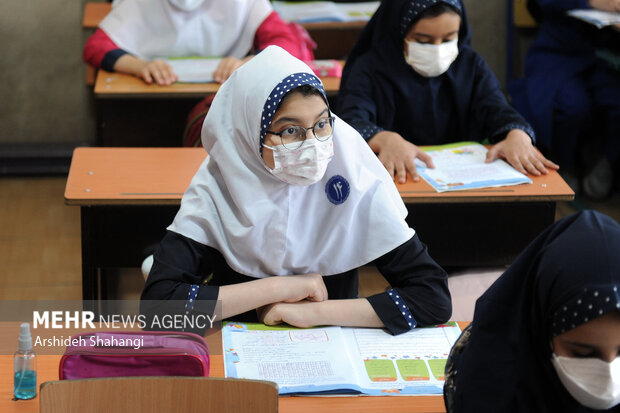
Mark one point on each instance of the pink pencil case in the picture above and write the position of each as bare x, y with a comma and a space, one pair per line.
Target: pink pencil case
326, 68
135, 353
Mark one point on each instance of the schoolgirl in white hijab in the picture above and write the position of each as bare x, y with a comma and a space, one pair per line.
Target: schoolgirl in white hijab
283, 230
154, 28
151, 29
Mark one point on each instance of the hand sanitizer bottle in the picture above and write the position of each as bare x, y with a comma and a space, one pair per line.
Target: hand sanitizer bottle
25, 365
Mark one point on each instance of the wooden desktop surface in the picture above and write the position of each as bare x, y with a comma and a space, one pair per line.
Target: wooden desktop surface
120, 85
143, 176
47, 370
94, 13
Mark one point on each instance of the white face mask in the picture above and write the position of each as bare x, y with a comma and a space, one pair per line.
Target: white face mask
431, 60
592, 382
305, 165
187, 5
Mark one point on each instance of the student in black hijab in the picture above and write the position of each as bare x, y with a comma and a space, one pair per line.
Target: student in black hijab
546, 335
413, 79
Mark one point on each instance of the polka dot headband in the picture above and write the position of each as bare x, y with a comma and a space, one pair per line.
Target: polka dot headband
414, 8
290, 82
591, 303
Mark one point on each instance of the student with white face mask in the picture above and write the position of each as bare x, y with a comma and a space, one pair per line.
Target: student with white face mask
288, 204
546, 335
413, 79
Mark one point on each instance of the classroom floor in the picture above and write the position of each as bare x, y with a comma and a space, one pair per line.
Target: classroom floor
40, 248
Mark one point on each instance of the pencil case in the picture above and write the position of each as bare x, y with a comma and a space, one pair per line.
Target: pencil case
326, 68
135, 353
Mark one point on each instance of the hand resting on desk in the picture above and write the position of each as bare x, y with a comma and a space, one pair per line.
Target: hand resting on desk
356, 312
398, 155
157, 71
518, 150
247, 296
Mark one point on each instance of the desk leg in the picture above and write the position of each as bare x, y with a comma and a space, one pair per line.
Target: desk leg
90, 272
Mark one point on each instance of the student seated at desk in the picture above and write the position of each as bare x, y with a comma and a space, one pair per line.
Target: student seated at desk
571, 96
413, 79
286, 207
136, 34
546, 335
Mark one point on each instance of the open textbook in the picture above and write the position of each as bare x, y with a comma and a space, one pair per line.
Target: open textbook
599, 18
194, 69
322, 11
339, 359
460, 166
200, 69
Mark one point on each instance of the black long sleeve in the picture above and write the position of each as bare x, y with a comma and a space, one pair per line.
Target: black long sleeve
181, 263
491, 114
419, 281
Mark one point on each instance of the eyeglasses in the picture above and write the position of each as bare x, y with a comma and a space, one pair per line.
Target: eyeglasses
293, 137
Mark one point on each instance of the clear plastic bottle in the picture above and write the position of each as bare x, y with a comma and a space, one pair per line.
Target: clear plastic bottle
25, 366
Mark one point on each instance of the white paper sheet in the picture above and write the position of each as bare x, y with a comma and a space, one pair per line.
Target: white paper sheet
599, 18
194, 69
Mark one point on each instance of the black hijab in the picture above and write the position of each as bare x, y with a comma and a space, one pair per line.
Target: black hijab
380, 91
568, 274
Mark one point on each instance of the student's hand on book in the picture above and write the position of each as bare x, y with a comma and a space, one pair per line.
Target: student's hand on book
303, 287
398, 155
157, 71
301, 314
517, 149
226, 68
605, 5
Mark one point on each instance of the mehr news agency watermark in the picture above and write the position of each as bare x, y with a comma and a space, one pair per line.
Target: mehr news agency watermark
87, 320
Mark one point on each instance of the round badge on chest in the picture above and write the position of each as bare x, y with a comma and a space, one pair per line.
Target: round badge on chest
337, 189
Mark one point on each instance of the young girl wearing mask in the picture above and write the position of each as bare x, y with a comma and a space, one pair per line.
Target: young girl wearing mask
412, 79
546, 335
288, 204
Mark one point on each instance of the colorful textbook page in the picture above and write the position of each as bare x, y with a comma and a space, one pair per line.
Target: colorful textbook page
339, 359
461, 166
194, 69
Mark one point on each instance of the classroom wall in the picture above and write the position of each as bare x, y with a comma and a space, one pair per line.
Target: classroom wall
45, 99
487, 19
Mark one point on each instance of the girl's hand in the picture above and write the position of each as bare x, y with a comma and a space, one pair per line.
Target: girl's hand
158, 71
226, 68
300, 314
398, 155
303, 287
605, 5
518, 150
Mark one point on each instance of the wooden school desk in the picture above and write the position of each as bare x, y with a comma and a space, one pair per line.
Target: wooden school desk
118, 85
131, 113
47, 370
128, 196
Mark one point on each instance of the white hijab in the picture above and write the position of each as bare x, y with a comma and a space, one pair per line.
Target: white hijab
176, 28
264, 226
